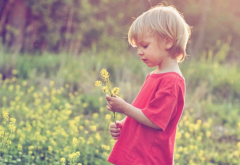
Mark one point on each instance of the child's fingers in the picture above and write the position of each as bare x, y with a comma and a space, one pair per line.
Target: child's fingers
114, 125
108, 107
115, 130
118, 124
115, 135
108, 98
115, 138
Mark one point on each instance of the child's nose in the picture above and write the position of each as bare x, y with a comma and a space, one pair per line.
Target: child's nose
140, 52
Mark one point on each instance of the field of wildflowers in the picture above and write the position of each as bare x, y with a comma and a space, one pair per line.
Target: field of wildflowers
51, 112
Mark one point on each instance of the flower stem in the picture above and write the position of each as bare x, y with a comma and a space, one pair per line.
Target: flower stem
114, 113
114, 117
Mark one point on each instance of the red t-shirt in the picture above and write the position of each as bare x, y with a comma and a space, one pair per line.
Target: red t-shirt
161, 99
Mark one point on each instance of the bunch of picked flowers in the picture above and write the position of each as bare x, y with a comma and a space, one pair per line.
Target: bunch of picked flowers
107, 86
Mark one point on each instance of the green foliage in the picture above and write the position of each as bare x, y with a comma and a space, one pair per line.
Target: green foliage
59, 111
74, 26
79, 24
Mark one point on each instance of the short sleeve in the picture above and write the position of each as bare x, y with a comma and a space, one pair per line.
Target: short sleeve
161, 108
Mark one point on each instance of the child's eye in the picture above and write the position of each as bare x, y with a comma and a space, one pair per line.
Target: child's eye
145, 46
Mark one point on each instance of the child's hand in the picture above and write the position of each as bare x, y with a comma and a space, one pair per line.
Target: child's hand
116, 104
115, 129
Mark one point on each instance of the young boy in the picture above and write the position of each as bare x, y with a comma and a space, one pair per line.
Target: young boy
147, 135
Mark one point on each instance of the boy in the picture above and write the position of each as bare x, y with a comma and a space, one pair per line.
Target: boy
147, 135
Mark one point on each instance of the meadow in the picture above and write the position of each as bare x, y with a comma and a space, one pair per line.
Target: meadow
51, 112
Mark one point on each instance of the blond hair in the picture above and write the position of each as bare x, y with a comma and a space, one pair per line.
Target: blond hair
165, 21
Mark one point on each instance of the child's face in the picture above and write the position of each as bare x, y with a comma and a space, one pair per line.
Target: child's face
152, 50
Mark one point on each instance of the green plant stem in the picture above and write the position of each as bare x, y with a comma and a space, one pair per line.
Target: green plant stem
114, 113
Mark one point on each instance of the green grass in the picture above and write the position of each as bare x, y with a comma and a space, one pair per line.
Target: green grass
54, 100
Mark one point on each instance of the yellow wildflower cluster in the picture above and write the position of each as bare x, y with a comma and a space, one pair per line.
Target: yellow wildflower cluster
107, 86
63, 161
73, 157
6, 131
49, 120
193, 132
54, 125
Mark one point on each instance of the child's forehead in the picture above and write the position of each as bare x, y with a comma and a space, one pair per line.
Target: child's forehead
145, 38
141, 35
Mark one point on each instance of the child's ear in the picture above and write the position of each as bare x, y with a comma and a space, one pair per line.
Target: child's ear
168, 43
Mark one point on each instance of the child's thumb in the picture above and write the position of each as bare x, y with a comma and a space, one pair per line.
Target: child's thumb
118, 124
108, 97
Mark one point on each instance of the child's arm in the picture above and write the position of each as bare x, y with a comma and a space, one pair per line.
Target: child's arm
117, 104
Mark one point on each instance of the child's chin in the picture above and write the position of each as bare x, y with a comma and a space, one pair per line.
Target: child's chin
150, 66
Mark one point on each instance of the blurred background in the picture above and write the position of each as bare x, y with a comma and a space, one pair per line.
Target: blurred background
52, 51
73, 26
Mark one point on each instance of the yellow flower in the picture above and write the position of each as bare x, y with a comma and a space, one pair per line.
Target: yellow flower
95, 115
115, 91
100, 99
19, 147
98, 83
51, 83
93, 128
67, 86
78, 154
199, 138
12, 120
238, 144
12, 127
105, 89
8, 143
31, 147
236, 153
70, 156
187, 135
81, 127
82, 140
180, 149
208, 134
50, 149
199, 122
177, 156
62, 160
14, 71
200, 153
75, 142
74, 155
14, 79
4, 99
97, 136
101, 109
178, 135
5, 115
24, 83
105, 147
104, 73
85, 105
108, 117
86, 121
10, 88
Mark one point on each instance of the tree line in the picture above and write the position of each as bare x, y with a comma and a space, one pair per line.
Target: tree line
72, 26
